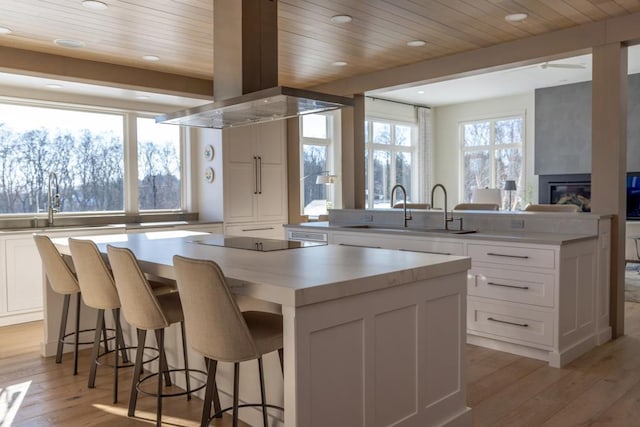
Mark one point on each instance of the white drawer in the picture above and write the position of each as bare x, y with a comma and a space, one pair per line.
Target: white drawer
313, 236
512, 255
512, 285
510, 322
265, 231
432, 246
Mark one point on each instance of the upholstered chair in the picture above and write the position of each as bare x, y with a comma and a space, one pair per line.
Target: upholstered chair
476, 207
552, 208
218, 330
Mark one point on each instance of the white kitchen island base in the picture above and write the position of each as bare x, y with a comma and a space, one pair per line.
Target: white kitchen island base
390, 357
372, 337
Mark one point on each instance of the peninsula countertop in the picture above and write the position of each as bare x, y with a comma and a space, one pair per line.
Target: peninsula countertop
511, 236
294, 277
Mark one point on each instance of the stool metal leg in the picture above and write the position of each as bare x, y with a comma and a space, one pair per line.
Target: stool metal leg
116, 351
208, 395
105, 339
96, 349
121, 344
186, 360
77, 335
236, 386
164, 367
265, 421
281, 357
163, 362
133, 397
63, 327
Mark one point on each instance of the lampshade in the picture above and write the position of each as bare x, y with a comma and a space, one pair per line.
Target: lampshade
509, 185
326, 179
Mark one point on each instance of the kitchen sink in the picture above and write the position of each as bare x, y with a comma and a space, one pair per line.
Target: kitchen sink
414, 230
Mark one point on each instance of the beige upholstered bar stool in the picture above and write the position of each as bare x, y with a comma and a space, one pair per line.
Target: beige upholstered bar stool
552, 208
63, 281
221, 332
476, 207
99, 292
147, 312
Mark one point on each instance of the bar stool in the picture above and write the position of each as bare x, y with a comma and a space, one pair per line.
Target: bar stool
147, 312
221, 332
63, 281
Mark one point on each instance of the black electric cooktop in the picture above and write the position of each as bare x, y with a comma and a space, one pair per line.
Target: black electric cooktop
253, 243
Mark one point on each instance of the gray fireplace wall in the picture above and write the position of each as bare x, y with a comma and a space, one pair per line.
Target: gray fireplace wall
563, 128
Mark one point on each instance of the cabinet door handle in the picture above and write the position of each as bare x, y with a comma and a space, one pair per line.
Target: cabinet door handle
425, 252
260, 175
508, 256
255, 174
358, 246
522, 325
507, 286
258, 229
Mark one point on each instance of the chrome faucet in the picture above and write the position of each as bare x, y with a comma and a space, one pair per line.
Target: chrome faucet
53, 200
404, 204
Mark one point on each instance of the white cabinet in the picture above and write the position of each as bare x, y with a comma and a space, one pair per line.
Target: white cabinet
21, 281
432, 245
255, 179
532, 299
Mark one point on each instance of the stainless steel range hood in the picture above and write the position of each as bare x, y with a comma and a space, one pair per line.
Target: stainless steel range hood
246, 73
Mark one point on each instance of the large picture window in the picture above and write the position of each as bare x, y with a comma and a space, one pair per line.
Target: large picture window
83, 153
391, 158
492, 152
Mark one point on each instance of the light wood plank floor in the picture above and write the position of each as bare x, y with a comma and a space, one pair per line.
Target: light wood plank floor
602, 388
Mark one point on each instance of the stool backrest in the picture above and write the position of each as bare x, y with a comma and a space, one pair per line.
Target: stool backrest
94, 277
61, 279
552, 208
215, 326
140, 307
476, 207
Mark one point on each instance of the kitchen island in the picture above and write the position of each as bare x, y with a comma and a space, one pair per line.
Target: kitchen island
371, 336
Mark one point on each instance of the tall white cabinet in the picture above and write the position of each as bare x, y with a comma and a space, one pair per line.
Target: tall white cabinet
255, 179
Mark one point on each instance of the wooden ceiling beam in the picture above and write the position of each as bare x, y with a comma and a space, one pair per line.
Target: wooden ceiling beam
93, 72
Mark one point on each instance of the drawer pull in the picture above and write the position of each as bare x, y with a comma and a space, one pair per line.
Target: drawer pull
508, 256
359, 246
425, 252
258, 229
508, 286
522, 325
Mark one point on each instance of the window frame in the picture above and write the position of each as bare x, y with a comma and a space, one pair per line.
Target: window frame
332, 142
370, 147
492, 147
130, 158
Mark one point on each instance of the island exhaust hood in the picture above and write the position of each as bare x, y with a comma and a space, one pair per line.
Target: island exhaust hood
245, 66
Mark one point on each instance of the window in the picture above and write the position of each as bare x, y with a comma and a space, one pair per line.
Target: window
158, 165
391, 158
319, 156
84, 152
492, 152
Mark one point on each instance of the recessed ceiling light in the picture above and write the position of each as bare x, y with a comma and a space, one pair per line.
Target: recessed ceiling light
95, 5
151, 58
341, 19
142, 97
53, 86
4, 30
416, 43
73, 44
420, 92
516, 17
339, 64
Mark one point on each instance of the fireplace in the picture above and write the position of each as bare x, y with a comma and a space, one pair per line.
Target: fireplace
566, 189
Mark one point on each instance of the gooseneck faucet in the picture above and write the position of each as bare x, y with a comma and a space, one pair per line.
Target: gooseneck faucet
444, 191
404, 204
53, 199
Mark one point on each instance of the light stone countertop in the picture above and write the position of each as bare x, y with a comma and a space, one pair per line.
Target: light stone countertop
97, 228
510, 236
294, 277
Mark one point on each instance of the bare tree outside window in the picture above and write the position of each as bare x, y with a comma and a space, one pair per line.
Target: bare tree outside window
492, 152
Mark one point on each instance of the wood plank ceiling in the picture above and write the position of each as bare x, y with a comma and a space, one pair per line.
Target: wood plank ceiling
180, 31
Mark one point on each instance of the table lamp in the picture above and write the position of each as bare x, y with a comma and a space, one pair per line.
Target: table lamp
510, 186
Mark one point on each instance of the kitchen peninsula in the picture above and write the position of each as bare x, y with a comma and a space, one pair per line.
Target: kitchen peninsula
371, 337
538, 286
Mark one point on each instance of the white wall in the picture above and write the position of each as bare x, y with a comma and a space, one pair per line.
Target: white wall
447, 147
207, 197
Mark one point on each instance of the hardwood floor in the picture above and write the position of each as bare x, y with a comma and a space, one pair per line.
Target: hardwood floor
602, 388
